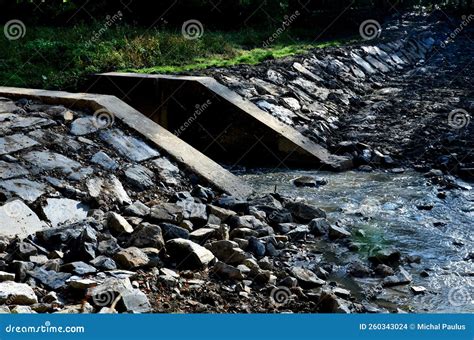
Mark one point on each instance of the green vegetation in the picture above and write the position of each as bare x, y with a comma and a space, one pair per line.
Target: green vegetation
61, 58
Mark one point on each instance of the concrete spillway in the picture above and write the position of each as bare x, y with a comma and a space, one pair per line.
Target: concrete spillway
217, 121
177, 149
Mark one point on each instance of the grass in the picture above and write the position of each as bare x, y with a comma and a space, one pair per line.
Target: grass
61, 58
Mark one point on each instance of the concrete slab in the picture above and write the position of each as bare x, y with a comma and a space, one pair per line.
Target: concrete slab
212, 118
191, 159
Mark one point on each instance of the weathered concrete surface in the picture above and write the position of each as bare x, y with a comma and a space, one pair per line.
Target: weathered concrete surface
217, 121
193, 160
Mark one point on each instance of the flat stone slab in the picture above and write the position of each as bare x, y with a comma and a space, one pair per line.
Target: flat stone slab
24, 188
46, 160
7, 107
17, 219
61, 210
11, 170
14, 143
128, 146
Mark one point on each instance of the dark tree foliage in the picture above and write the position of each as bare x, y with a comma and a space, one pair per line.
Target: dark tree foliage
221, 14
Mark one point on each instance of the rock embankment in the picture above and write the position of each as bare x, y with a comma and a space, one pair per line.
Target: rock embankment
402, 100
95, 219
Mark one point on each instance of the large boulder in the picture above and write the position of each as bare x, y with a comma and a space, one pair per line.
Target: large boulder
188, 255
13, 293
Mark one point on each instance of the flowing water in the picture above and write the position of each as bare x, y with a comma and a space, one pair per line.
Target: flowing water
384, 207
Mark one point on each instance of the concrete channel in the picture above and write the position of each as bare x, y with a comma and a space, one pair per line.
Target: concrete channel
217, 121
183, 153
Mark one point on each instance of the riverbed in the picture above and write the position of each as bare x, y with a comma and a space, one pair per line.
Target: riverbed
399, 211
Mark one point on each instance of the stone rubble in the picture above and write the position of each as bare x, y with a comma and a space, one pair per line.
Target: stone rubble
97, 220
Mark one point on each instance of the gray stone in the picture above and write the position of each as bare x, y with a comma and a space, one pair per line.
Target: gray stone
417, 290
104, 161
4, 276
109, 189
167, 212
298, 233
11, 170
221, 213
15, 143
50, 278
27, 190
135, 302
227, 271
202, 235
118, 224
336, 232
83, 126
303, 211
306, 278
79, 268
195, 212
247, 221
167, 170
17, 219
104, 263
402, 277
171, 231
13, 293
80, 283
187, 254
319, 226
363, 64
385, 256
46, 160
137, 209
131, 258
147, 235
62, 210
140, 177
228, 251
22, 310
128, 146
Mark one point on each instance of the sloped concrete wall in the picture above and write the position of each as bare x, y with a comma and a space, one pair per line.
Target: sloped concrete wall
180, 151
217, 121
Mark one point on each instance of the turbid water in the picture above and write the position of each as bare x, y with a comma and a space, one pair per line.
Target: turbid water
398, 211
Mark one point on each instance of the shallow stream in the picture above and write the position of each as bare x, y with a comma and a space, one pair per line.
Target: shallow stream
385, 206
